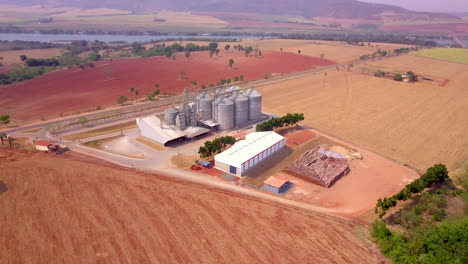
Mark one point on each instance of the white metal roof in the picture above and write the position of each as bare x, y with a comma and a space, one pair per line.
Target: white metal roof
244, 150
159, 131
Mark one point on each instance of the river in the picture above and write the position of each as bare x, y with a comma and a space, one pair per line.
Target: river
104, 38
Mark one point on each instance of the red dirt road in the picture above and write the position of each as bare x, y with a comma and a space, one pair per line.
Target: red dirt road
74, 90
56, 210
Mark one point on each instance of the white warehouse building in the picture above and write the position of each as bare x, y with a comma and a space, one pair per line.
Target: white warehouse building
249, 153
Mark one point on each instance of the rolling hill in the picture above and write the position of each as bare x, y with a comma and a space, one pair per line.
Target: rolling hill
351, 9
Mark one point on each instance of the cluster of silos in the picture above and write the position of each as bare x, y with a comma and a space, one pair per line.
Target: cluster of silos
232, 108
180, 118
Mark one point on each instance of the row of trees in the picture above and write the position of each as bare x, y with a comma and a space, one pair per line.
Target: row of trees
436, 174
215, 146
378, 53
288, 119
31, 62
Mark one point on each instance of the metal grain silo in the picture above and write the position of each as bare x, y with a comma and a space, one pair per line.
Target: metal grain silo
241, 109
232, 89
180, 121
224, 113
170, 115
193, 115
255, 104
205, 103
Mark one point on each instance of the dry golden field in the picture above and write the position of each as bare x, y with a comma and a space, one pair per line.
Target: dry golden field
417, 124
12, 56
332, 50
57, 210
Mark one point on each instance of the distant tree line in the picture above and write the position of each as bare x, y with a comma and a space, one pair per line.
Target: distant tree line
288, 119
41, 62
358, 38
215, 146
436, 174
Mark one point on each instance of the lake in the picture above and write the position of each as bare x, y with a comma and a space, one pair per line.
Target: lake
105, 38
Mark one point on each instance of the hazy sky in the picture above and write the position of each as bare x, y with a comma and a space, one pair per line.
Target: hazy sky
427, 5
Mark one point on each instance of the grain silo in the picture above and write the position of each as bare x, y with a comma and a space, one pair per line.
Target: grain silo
241, 109
255, 104
224, 113
205, 104
193, 115
180, 121
232, 89
170, 115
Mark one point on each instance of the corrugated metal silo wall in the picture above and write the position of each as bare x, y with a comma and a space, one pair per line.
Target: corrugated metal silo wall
170, 115
241, 109
255, 106
225, 113
206, 109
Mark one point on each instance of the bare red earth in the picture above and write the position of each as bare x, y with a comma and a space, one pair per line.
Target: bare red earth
78, 90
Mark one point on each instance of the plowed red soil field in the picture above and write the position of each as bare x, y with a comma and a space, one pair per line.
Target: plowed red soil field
57, 210
78, 90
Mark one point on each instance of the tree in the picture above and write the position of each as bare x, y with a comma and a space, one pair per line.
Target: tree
231, 62
95, 56
203, 87
187, 54
150, 96
411, 76
213, 46
181, 75
83, 120
156, 85
132, 89
236, 79
137, 92
194, 84
299, 52
248, 50
211, 53
217, 52
23, 58
227, 47
259, 53
156, 92
398, 77
281, 49
122, 99
137, 48
10, 141
2, 135
5, 119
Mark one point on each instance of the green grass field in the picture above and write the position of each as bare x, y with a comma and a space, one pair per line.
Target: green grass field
447, 54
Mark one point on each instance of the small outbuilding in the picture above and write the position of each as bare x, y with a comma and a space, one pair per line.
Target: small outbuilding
276, 185
42, 145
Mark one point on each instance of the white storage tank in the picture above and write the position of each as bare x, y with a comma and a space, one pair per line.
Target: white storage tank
170, 115
241, 109
205, 102
224, 113
255, 104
